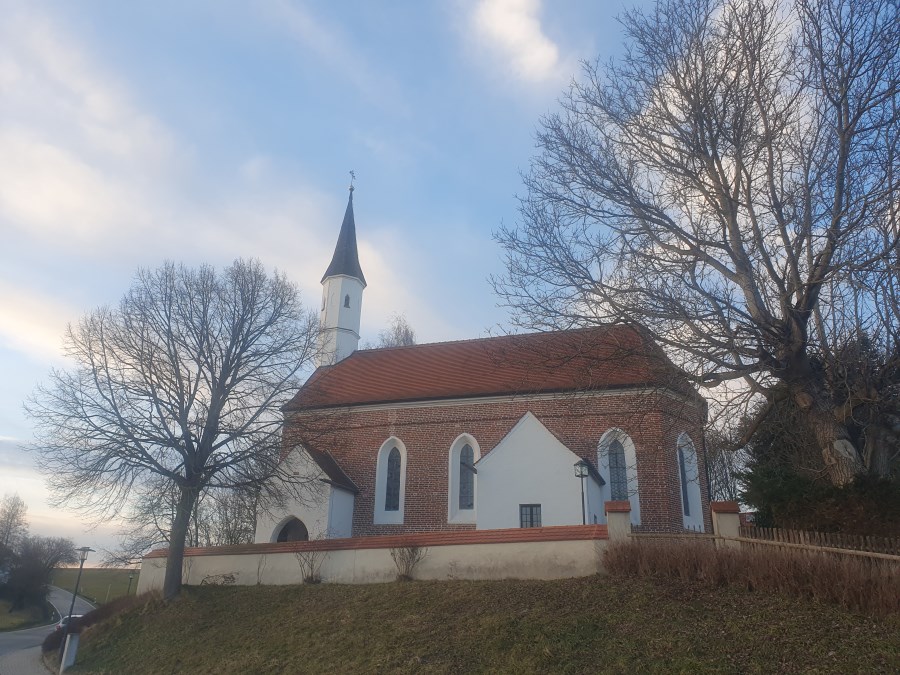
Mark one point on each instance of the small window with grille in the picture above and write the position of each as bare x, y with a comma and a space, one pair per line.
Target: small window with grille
529, 515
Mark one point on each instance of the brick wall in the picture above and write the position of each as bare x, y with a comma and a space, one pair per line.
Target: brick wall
654, 420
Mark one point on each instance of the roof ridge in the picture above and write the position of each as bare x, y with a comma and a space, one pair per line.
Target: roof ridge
484, 338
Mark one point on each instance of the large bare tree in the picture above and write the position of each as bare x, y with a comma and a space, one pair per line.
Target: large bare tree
178, 388
731, 183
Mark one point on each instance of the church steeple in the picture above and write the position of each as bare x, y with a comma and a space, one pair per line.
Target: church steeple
342, 289
346, 257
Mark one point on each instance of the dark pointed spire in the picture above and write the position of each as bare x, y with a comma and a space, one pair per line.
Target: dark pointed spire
346, 257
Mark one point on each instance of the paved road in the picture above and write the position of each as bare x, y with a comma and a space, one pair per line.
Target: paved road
32, 637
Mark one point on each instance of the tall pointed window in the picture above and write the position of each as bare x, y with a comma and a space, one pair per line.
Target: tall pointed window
347, 300
467, 478
617, 459
618, 472
462, 479
392, 487
685, 500
689, 480
390, 483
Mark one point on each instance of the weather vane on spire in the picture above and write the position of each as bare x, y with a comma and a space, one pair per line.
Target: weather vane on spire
352, 178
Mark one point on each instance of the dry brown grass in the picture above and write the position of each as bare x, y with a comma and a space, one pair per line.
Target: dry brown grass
858, 584
595, 624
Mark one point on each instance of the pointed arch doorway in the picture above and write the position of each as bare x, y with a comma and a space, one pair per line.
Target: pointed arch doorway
293, 530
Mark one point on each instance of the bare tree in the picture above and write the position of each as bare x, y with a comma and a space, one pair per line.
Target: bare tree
13, 525
398, 333
724, 464
181, 383
221, 516
732, 184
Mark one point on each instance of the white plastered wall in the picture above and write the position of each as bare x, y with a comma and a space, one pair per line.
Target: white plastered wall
340, 513
339, 324
322, 511
523, 560
528, 466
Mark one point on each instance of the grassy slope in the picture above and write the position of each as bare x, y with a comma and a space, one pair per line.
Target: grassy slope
95, 582
579, 625
30, 616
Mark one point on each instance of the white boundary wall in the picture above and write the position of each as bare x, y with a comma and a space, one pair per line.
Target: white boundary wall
519, 560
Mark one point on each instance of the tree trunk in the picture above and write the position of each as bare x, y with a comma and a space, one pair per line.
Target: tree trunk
841, 459
175, 560
881, 444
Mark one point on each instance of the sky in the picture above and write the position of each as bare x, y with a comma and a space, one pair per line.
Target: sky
201, 131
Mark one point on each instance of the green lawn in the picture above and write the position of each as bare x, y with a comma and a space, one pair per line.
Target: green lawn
96, 583
589, 625
30, 616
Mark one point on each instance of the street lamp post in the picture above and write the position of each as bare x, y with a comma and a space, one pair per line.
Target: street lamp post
130, 578
581, 471
83, 554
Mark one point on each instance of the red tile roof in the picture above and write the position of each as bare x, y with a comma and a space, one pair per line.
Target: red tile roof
605, 357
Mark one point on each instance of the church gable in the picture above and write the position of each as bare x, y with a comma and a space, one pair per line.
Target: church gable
528, 479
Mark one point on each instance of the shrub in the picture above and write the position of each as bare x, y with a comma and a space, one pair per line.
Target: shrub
310, 561
861, 584
407, 558
783, 498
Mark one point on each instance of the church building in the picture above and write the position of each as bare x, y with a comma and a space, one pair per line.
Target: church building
513, 431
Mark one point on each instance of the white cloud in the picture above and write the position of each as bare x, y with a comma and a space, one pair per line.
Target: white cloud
48, 78
82, 179
49, 191
512, 29
32, 323
76, 150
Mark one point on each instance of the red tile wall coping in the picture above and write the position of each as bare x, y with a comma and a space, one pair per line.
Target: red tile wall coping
724, 507
623, 506
449, 538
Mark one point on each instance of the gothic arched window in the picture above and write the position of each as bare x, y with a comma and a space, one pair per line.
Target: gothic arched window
685, 500
689, 480
617, 459
467, 478
618, 472
390, 482
392, 486
346, 301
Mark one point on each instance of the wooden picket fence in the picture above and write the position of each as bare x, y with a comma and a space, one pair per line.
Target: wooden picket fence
834, 540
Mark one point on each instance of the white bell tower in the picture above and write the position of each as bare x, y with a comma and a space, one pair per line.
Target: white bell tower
342, 290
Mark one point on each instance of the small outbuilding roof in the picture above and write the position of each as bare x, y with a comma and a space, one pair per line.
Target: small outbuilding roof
335, 474
604, 357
